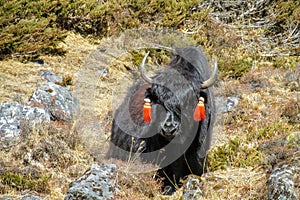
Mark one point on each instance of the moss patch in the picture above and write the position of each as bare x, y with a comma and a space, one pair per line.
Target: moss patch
235, 153
25, 182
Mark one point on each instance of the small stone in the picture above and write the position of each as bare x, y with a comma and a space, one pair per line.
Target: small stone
193, 189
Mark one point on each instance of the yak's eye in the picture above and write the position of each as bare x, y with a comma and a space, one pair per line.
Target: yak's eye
158, 112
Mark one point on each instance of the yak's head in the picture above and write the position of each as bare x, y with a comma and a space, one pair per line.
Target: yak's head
174, 95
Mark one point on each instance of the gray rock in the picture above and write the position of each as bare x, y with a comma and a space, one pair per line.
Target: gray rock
50, 76
281, 182
226, 104
193, 189
97, 183
30, 197
39, 63
231, 103
11, 115
57, 99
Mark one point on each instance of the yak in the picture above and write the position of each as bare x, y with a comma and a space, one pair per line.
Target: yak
167, 120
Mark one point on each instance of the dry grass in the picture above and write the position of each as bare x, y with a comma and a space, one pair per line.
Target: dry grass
18, 80
235, 183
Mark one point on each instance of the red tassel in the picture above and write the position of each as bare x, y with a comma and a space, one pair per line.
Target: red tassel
199, 113
147, 110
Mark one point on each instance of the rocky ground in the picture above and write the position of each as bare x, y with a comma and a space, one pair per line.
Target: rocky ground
255, 149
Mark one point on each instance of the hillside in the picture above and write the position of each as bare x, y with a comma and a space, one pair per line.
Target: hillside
98, 45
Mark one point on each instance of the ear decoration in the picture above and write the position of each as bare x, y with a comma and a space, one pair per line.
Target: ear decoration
147, 110
199, 113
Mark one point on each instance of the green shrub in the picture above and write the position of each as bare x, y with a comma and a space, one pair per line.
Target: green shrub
28, 28
31, 28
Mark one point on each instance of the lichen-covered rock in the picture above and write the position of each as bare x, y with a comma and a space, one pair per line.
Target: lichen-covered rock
57, 99
96, 184
11, 115
283, 183
193, 189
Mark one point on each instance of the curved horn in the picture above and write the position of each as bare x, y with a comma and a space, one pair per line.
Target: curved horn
164, 47
209, 82
143, 69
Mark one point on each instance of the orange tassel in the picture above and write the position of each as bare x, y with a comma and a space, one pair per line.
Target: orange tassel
147, 110
199, 113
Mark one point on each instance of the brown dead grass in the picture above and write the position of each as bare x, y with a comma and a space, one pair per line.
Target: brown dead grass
235, 183
18, 80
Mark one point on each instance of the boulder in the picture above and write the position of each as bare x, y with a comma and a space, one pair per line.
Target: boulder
11, 116
22, 197
57, 99
284, 179
97, 183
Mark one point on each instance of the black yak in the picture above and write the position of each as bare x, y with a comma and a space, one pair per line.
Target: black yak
168, 119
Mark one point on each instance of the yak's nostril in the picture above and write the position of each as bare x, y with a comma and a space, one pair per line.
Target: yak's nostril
168, 124
169, 127
175, 124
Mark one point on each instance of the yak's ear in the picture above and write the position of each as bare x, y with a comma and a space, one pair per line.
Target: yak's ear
148, 94
204, 95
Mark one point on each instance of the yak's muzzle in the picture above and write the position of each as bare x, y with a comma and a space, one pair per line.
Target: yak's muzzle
169, 126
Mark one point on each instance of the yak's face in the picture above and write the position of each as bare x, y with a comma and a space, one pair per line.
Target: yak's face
172, 111
166, 117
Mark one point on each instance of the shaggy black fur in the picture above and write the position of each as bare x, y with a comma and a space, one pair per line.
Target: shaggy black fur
174, 95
